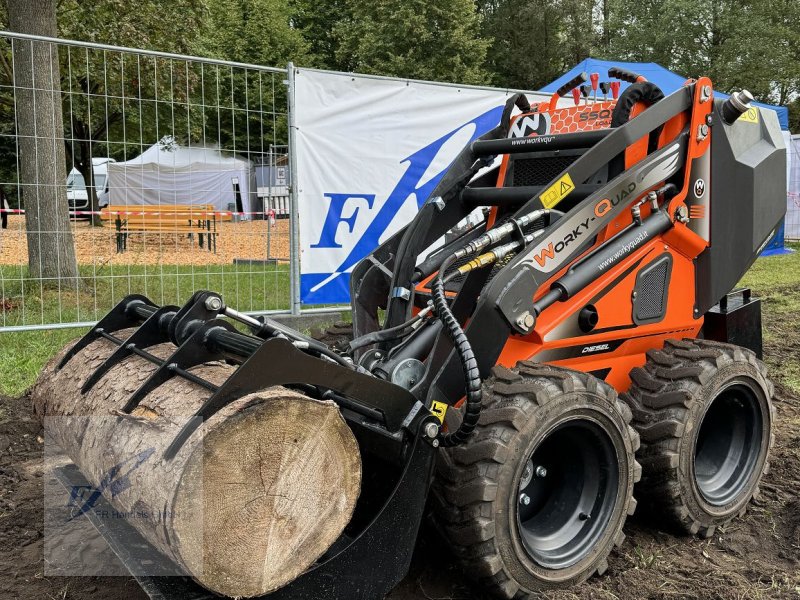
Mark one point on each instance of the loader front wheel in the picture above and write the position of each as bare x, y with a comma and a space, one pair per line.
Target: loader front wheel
537, 497
704, 412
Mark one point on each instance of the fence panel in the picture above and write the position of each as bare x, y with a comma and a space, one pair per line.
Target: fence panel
127, 171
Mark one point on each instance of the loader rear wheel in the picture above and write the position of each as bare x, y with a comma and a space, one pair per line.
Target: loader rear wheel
537, 497
704, 412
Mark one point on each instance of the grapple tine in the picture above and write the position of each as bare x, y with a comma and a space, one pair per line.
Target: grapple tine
153, 331
277, 362
194, 351
119, 317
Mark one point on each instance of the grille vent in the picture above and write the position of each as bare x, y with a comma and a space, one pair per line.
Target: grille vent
539, 171
652, 287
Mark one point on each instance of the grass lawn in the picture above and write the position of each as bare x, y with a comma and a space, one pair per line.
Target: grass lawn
246, 287
26, 302
776, 280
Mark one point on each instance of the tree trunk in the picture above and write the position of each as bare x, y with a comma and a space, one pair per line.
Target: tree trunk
40, 131
258, 493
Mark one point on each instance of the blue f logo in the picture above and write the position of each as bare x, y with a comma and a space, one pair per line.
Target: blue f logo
345, 208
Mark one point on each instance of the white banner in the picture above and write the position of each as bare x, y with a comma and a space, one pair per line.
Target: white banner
793, 195
369, 152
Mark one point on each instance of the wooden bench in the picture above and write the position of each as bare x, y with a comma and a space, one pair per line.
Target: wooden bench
163, 218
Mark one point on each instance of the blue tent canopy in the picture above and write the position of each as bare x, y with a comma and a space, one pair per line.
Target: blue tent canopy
663, 78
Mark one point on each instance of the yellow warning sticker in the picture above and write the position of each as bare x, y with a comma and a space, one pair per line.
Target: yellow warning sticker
750, 115
557, 192
439, 410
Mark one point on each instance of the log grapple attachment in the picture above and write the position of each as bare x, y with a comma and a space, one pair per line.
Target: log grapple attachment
557, 325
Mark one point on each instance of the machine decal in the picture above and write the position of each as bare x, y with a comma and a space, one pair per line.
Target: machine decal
587, 220
596, 348
698, 199
606, 347
532, 141
580, 118
533, 124
557, 192
601, 117
699, 188
439, 410
623, 250
750, 115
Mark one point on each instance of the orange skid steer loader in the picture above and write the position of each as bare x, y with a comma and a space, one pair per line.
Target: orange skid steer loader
528, 375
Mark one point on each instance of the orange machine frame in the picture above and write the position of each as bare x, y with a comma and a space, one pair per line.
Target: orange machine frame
623, 342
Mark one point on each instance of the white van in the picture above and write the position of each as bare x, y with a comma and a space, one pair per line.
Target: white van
78, 195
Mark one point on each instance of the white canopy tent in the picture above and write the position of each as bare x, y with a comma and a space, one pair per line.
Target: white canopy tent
168, 173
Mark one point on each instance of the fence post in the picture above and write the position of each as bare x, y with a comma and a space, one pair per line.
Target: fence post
294, 210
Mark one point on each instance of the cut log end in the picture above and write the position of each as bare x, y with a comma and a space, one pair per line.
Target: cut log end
254, 497
276, 481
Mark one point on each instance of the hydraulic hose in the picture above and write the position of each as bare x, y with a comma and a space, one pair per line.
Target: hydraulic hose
385, 335
472, 378
451, 326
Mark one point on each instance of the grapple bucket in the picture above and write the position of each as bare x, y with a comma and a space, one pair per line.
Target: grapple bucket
395, 434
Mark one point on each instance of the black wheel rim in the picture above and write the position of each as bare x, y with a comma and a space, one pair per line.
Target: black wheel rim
728, 445
567, 493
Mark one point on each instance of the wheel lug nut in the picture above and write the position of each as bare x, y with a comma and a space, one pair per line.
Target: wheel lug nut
541, 472
524, 499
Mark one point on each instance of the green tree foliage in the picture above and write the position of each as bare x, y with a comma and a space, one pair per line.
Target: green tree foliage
412, 38
252, 31
738, 43
257, 32
152, 24
535, 41
315, 20
794, 115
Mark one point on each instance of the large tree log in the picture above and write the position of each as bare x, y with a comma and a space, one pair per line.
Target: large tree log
252, 499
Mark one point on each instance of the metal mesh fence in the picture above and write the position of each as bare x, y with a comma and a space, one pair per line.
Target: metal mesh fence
792, 229
124, 171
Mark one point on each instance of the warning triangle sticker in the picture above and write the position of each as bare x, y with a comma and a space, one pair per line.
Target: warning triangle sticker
557, 192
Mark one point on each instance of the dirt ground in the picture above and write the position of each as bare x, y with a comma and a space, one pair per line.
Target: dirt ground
755, 557
97, 245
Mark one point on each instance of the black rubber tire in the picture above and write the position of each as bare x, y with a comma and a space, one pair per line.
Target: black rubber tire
476, 492
670, 397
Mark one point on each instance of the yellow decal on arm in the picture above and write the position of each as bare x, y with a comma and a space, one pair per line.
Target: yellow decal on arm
750, 115
439, 409
557, 192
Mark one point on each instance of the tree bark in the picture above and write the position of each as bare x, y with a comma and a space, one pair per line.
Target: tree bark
40, 131
258, 493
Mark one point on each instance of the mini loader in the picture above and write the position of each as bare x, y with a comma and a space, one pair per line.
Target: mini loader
522, 376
